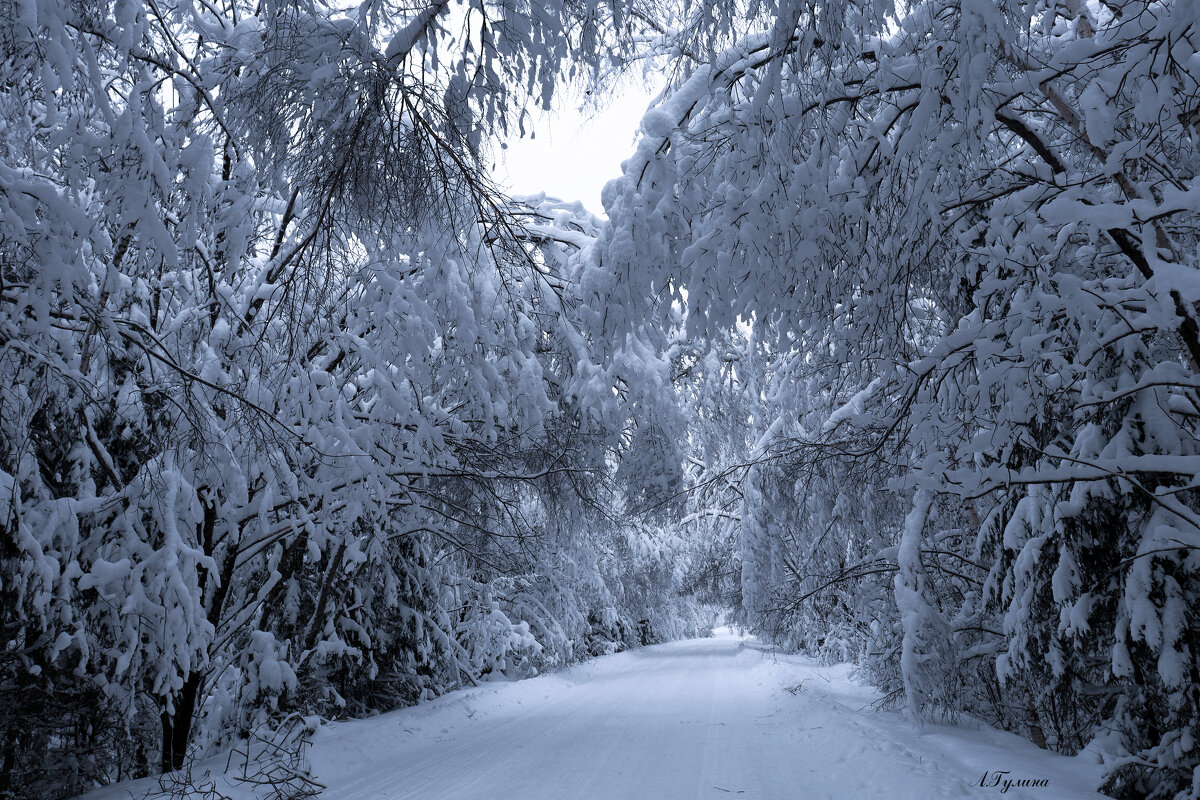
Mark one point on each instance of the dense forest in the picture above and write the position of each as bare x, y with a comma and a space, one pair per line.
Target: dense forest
887, 348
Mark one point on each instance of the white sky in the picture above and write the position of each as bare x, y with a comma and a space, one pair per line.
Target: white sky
575, 152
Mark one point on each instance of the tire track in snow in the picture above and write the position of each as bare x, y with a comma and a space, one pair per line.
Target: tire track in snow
694, 720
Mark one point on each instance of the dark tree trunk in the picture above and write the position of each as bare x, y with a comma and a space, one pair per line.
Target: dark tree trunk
177, 727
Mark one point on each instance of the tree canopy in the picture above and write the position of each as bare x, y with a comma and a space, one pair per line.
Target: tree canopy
889, 345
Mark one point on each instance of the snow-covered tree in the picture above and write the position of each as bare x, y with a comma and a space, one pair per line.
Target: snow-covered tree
299, 411
971, 230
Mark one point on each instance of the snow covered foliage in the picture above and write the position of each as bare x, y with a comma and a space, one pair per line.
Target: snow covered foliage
299, 413
892, 342
969, 233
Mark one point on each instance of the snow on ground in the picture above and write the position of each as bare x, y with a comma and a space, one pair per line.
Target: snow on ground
705, 718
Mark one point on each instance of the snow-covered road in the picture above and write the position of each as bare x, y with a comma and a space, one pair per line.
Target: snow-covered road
707, 718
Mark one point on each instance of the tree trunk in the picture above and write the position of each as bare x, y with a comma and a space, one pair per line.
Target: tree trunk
177, 726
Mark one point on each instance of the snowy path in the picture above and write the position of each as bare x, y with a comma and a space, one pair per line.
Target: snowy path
707, 718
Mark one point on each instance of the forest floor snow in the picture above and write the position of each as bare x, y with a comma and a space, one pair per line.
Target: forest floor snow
705, 718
